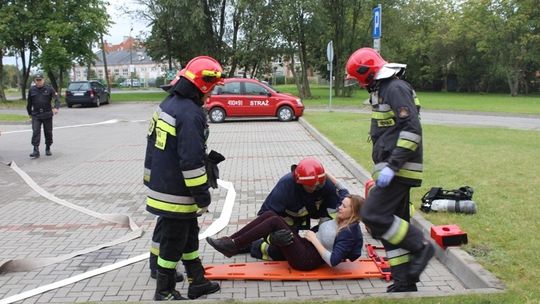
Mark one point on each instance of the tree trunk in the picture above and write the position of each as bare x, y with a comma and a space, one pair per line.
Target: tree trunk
237, 20
105, 67
26, 71
60, 81
302, 52
221, 28
2, 94
295, 77
52, 80
513, 82
88, 67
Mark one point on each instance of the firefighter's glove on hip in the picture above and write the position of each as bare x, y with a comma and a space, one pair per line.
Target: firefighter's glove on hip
385, 177
212, 160
202, 211
282, 237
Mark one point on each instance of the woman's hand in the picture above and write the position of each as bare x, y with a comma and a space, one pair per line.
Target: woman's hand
310, 236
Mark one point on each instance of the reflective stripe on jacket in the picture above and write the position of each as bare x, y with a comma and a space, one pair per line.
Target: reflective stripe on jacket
175, 171
396, 131
289, 200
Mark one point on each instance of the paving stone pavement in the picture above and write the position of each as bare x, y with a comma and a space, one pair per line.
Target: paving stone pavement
100, 168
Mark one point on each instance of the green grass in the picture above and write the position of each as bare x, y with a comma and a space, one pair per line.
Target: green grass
480, 102
13, 117
138, 97
501, 165
499, 103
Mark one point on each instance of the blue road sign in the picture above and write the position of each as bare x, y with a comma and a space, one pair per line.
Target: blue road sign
171, 74
377, 22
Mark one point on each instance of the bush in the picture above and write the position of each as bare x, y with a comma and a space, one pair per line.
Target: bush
159, 81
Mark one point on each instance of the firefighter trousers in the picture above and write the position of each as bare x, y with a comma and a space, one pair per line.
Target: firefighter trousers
385, 213
178, 240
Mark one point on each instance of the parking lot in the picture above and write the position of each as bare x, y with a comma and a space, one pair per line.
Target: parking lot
99, 167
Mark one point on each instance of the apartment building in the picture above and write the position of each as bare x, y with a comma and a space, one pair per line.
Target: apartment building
127, 60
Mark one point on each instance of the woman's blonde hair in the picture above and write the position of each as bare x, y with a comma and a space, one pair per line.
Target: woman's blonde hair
356, 204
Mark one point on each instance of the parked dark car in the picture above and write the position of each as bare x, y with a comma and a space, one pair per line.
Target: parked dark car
86, 93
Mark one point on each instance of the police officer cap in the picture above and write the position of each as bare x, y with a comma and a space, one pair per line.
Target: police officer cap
38, 76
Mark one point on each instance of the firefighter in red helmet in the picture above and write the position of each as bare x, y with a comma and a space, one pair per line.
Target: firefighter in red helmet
307, 192
177, 177
396, 134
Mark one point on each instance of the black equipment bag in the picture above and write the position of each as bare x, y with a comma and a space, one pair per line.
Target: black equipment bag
461, 194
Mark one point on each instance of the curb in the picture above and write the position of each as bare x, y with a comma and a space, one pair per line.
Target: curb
459, 262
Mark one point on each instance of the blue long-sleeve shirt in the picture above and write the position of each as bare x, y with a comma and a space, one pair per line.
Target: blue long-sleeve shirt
345, 244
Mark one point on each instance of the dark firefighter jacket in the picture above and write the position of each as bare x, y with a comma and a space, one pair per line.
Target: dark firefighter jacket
289, 200
396, 132
175, 156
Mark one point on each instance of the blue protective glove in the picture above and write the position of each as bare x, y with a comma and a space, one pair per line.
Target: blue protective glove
385, 177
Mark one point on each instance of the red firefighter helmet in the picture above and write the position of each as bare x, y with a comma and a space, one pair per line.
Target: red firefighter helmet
177, 77
364, 64
204, 72
310, 173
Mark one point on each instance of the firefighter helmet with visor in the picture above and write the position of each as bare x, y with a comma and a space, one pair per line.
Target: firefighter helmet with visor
204, 72
310, 173
364, 64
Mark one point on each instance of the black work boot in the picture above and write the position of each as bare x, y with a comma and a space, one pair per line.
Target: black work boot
198, 284
153, 269
401, 280
165, 284
48, 150
35, 153
419, 261
224, 245
397, 287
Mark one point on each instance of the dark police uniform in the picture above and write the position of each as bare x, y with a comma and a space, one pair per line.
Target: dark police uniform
176, 177
289, 200
40, 108
396, 134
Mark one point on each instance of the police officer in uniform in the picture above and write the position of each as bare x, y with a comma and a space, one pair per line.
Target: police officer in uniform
396, 134
41, 110
177, 179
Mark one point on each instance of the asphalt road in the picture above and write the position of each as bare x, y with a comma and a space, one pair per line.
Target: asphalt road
477, 119
81, 115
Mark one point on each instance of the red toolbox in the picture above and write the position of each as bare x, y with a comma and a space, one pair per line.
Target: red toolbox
448, 235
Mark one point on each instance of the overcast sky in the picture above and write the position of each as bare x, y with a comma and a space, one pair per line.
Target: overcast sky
123, 22
117, 31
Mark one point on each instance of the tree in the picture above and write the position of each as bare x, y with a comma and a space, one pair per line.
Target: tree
256, 46
20, 28
55, 33
2, 94
176, 26
343, 21
70, 30
295, 23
